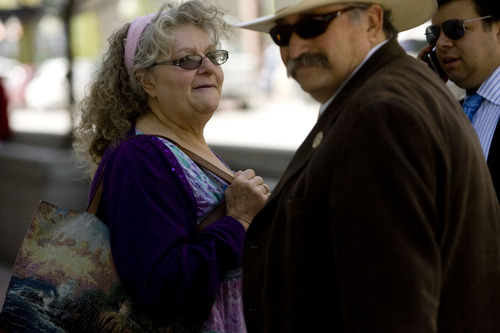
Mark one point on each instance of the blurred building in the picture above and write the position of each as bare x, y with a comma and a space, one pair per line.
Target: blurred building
49, 48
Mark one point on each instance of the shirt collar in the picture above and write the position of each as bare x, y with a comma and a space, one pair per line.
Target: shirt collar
370, 53
490, 89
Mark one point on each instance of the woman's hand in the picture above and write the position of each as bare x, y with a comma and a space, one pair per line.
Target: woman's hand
246, 196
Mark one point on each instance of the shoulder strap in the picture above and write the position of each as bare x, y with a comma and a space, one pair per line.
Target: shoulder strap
220, 210
96, 196
228, 178
216, 214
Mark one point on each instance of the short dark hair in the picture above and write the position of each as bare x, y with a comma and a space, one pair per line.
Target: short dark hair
483, 7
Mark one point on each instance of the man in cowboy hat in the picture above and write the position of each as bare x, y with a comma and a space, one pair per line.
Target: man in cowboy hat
386, 219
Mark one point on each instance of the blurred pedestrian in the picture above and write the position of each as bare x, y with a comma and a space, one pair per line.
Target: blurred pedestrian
4, 119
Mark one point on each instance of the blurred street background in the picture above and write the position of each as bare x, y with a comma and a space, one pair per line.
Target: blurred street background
48, 52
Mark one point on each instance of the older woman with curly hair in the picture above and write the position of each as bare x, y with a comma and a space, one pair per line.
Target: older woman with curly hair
161, 77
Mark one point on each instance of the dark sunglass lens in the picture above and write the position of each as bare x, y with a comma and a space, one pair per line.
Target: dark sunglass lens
311, 27
191, 62
281, 34
432, 34
454, 29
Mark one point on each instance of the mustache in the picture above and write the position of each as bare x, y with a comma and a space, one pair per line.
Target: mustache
308, 60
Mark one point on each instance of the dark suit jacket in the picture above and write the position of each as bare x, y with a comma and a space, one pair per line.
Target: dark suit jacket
494, 160
385, 220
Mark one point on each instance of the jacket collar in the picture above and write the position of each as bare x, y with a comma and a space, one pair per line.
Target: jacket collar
387, 53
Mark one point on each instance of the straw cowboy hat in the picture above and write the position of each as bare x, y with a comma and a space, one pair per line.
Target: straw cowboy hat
406, 14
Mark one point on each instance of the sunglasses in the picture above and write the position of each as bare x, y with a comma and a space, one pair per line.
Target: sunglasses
453, 29
193, 61
306, 28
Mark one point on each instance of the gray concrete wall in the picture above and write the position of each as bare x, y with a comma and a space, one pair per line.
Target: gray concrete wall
28, 174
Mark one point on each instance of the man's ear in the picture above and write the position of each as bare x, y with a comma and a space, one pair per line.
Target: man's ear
375, 20
496, 28
147, 81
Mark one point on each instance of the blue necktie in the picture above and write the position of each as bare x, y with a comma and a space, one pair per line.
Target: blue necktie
471, 104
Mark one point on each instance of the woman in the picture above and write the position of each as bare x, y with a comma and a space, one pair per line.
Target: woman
162, 76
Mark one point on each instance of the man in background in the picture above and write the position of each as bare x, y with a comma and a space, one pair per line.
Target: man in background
466, 38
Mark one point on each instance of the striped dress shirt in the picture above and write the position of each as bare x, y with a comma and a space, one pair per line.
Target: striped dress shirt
486, 119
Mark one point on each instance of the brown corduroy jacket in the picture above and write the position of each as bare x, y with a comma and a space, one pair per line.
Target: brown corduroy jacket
386, 219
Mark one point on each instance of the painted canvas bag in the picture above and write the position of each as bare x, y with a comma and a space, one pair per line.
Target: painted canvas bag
64, 279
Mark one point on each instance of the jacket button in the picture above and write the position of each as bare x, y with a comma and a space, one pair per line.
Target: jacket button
252, 310
253, 247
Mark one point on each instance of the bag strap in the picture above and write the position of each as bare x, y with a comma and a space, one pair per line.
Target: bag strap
228, 178
96, 197
213, 216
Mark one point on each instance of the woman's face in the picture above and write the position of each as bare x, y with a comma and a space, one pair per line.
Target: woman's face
180, 94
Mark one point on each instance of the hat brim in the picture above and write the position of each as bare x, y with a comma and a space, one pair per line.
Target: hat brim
404, 14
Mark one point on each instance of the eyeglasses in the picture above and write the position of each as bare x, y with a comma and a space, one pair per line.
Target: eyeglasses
193, 61
308, 27
453, 29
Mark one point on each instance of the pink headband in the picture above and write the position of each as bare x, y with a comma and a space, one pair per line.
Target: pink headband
134, 33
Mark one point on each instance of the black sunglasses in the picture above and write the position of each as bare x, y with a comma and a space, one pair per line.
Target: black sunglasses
453, 29
308, 27
193, 61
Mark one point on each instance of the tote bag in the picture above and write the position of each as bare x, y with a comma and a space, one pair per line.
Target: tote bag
64, 278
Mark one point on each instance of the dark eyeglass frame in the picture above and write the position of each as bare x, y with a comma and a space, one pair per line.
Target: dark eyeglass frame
453, 29
306, 28
193, 61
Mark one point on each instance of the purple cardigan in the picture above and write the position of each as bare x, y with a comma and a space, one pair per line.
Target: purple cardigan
166, 265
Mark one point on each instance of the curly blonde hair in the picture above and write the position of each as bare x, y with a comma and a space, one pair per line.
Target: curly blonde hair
116, 99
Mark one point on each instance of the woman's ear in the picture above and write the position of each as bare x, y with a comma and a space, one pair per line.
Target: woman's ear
147, 81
